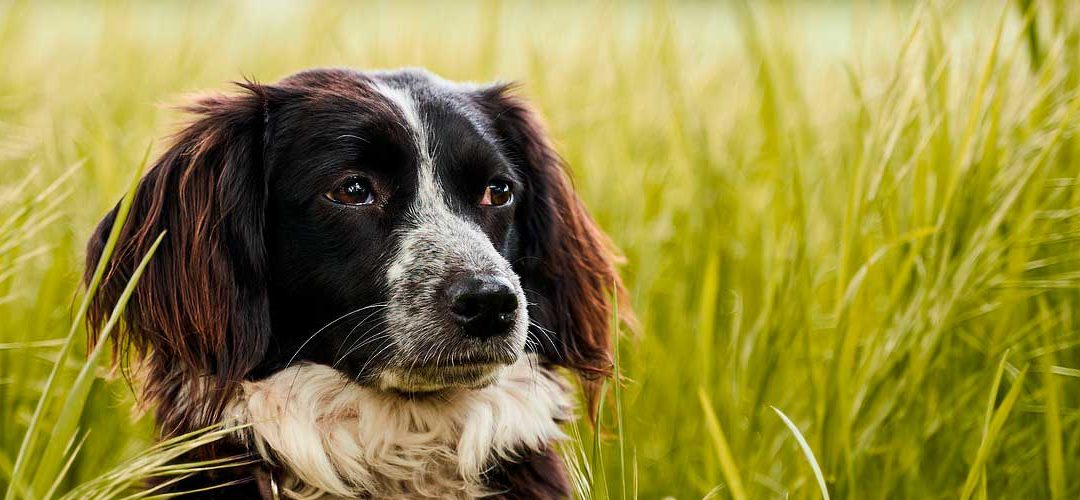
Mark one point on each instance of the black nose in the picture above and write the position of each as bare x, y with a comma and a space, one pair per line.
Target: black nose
484, 305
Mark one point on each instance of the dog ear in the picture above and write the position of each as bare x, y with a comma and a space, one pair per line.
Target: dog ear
198, 320
566, 262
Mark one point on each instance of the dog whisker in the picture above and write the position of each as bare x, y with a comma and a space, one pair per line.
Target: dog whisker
344, 341
364, 339
547, 334
328, 325
375, 356
384, 335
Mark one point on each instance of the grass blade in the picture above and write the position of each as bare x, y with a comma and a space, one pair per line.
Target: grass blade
723, 451
992, 430
807, 452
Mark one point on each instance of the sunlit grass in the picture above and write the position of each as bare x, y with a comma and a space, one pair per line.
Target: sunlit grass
865, 216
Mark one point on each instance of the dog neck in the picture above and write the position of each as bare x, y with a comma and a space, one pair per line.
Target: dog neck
329, 436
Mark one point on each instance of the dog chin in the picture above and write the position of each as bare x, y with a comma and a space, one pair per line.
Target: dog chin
428, 380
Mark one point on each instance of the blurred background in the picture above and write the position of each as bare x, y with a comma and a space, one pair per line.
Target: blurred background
851, 229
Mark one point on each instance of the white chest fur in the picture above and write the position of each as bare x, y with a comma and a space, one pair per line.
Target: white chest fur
339, 438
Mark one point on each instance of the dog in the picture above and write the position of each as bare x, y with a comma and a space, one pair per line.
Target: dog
378, 278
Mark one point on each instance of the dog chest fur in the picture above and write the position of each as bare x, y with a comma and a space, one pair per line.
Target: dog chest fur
338, 438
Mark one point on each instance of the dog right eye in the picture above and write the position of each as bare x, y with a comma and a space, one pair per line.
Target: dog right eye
354, 191
497, 193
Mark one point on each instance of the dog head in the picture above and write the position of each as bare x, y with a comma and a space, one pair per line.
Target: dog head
416, 234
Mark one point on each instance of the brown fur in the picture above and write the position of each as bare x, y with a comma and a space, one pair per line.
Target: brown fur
578, 258
197, 313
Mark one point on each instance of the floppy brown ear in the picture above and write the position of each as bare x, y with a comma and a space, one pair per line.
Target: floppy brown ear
566, 262
198, 320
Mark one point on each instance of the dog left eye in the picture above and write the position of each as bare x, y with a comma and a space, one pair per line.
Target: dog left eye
497, 193
354, 191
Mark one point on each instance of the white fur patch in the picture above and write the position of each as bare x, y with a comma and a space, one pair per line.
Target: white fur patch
338, 438
430, 197
435, 245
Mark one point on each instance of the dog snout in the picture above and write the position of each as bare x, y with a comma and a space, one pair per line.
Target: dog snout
484, 305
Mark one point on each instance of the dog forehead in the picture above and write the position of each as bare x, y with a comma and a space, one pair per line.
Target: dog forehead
426, 87
439, 104
337, 118
395, 101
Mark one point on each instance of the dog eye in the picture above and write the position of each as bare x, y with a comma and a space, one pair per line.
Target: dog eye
354, 191
498, 193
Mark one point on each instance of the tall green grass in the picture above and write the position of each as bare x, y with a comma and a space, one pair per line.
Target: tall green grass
852, 231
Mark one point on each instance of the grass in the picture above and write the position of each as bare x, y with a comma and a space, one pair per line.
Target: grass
852, 231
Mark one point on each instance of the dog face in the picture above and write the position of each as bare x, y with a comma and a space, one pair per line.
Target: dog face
392, 231
415, 234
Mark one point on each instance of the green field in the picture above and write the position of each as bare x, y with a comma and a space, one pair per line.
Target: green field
864, 217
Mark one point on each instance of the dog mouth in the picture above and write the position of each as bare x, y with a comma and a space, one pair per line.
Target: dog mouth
462, 370
434, 379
